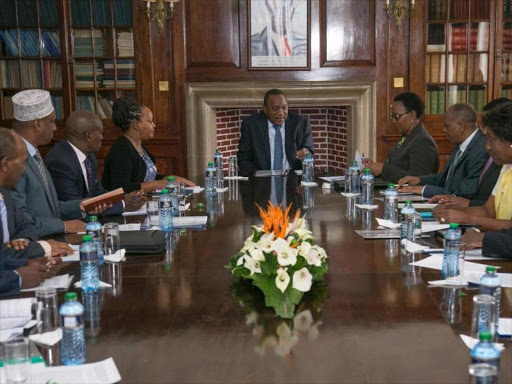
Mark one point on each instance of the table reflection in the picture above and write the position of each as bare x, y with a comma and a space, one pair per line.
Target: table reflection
411, 275
451, 305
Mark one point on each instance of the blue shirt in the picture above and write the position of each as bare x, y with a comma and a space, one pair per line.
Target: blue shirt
272, 140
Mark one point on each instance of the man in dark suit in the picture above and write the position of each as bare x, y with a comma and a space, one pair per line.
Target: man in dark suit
72, 164
462, 171
498, 243
22, 263
274, 139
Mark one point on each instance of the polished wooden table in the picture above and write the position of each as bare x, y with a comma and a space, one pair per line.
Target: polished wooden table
174, 318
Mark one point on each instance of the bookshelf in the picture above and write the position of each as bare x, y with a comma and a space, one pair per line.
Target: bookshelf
505, 64
97, 68
457, 54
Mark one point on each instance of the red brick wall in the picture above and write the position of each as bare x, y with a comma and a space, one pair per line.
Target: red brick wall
329, 125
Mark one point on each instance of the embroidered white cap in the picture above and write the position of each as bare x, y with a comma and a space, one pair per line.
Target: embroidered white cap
32, 104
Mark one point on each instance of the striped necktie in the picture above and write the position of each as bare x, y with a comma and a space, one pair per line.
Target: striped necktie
42, 170
3, 218
90, 178
278, 149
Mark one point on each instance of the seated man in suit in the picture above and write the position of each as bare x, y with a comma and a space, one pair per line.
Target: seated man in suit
22, 263
496, 214
274, 139
462, 171
34, 194
487, 179
73, 167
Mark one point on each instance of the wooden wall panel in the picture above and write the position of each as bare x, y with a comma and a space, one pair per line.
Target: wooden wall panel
347, 32
212, 33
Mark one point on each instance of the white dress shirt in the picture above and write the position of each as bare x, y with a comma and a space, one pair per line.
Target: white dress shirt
81, 158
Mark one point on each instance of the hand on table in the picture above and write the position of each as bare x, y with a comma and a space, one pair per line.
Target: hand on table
450, 201
74, 226
473, 239
416, 189
411, 180
32, 275
59, 248
448, 215
17, 244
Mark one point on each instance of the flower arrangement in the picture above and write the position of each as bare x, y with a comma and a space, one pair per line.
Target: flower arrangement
281, 259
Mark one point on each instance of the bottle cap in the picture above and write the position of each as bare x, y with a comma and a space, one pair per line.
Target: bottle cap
93, 218
170, 178
490, 268
210, 164
391, 185
454, 225
367, 170
164, 191
86, 238
408, 202
70, 296
485, 336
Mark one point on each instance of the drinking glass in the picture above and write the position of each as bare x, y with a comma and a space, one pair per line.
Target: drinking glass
308, 201
16, 359
483, 373
152, 211
484, 315
111, 238
455, 265
181, 190
233, 166
47, 312
414, 227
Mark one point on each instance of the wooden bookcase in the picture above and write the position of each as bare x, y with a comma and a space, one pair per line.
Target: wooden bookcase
82, 51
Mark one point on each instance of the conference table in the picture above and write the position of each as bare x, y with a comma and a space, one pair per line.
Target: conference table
178, 317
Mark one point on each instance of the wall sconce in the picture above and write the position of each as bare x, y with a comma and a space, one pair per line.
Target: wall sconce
160, 13
399, 11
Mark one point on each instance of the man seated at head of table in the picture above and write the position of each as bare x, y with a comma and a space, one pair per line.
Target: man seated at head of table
73, 166
462, 171
274, 139
23, 263
486, 181
416, 152
34, 194
496, 214
129, 164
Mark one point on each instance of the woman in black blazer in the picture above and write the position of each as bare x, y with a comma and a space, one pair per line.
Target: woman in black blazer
128, 163
416, 152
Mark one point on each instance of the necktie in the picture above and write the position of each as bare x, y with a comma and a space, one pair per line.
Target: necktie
503, 198
486, 167
90, 178
286, 47
3, 217
454, 164
42, 170
278, 149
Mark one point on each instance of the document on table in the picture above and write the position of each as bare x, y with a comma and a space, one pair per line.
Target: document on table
104, 372
190, 221
140, 212
273, 172
57, 282
419, 205
331, 179
505, 327
436, 262
16, 307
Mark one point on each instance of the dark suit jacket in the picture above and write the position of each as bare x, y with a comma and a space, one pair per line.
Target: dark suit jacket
263, 45
498, 244
254, 148
464, 179
69, 179
11, 260
124, 168
417, 156
486, 186
19, 226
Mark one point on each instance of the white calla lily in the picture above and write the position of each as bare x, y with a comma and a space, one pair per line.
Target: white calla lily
304, 248
321, 252
252, 265
282, 280
313, 259
265, 243
256, 254
241, 260
302, 280
285, 254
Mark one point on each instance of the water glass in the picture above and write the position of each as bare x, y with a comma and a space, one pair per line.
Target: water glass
233, 166
180, 185
47, 312
152, 211
455, 265
484, 315
367, 219
17, 361
111, 238
483, 373
414, 227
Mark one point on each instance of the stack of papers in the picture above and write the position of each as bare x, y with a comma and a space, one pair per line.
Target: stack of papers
57, 282
14, 316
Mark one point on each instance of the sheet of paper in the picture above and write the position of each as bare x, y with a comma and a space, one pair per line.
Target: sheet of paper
141, 212
379, 233
57, 282
432, 226
368, 207
447, 283
471, 342
47, 338
16, 307
420, 205
267, 173
474, 277
14, 322
78, 284
243, 178
6, 334
116, 257
413, 247
436, 262
196, 189
104, 372
350, 194
129, 227
74, 257
505, 326
331, 179
189, 221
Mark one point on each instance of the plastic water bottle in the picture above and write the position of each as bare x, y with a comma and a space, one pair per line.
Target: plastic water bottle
73, 340
451, 250
165, 211
172, 189
391, 204
404, 213
219, 163
367, 187
490, 284
308, 169
89, 264
93, 228
482, 373
354, 178
485, 351
211, 180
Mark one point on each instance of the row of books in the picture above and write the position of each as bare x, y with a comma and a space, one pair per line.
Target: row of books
52, 74
507, 36
435, 100
458, 37
31, 74
29, 43
84, 75
88, 102
125, 73
475, 66
507, 8
82, 43
58, 105
27, 13
506, 67
51, 43
81, 12
9, 74
125, 44
459, 9
506, 92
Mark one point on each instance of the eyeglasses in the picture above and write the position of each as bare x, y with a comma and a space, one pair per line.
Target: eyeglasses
396, 116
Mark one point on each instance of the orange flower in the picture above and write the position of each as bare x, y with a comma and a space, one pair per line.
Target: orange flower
276, 221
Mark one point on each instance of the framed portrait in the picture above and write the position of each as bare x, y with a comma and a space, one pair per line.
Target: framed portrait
279, 33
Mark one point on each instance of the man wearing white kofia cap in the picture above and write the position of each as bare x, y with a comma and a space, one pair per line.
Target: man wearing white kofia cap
34, 194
